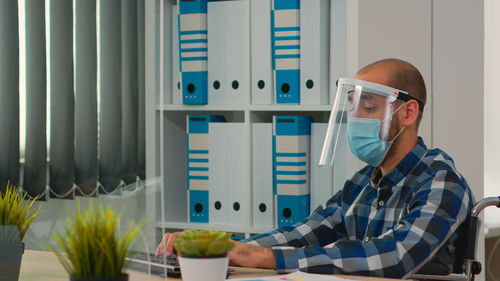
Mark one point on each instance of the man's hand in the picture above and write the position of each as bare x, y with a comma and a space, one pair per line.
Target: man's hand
167, 244
247, 255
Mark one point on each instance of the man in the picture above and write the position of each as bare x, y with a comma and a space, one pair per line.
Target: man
398, 214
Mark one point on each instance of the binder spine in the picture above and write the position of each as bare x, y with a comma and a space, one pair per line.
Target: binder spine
193, 56
176, 75
197, 166
314, 51
261, 56
285, 22
321, 176
218, 170
229, 52
291, 162
262, 172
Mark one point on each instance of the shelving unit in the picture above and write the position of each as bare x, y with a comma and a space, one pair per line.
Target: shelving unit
166, 122
174, 152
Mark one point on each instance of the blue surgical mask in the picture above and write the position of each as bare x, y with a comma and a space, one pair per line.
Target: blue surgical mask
364, 140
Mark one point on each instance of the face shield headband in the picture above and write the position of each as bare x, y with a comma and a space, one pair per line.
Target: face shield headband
360, 100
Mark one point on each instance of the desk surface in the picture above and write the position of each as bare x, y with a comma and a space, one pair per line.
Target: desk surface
42, 265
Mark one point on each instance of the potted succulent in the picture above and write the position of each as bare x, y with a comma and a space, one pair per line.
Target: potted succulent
92, 246
203, 254
16, 215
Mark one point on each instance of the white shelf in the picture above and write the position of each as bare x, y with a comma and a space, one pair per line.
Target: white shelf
298, 108
201, 107
211, 226
273, 107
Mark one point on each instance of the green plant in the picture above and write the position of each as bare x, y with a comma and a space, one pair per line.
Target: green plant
203, 243
92, 244
16, 211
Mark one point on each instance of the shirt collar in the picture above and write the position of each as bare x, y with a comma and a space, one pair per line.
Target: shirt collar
401, 170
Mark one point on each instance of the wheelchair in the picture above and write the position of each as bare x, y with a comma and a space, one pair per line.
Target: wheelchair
468, 266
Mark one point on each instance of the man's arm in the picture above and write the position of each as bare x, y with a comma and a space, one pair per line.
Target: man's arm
252, 256
435, 212
323, 227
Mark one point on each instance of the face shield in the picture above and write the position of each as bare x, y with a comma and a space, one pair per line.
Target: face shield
361, 116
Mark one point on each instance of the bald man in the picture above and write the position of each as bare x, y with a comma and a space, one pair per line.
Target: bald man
400, 214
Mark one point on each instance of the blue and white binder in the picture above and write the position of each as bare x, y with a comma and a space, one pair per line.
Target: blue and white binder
291, 162
314, 51
285, 24
176, 74
197, 165
228, 52
262, 174
321, 176
193, 50
261, 64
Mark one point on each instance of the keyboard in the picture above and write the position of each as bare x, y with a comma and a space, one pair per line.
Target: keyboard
155, 265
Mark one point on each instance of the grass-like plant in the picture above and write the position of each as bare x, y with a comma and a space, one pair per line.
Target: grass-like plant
92, 244
206, 243
16, 211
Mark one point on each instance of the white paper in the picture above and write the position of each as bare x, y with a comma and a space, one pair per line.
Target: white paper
295, 276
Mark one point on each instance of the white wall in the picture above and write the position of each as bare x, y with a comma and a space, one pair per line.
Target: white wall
491, 109
444, 40
458, 81
399, 29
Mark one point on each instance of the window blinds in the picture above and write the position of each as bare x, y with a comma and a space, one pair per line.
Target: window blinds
95, 70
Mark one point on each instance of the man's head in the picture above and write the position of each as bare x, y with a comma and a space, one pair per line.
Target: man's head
398, 74
384, 104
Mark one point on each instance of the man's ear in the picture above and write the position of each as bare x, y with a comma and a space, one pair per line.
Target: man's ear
409, 113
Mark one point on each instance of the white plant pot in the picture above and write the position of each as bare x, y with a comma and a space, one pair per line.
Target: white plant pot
206, 269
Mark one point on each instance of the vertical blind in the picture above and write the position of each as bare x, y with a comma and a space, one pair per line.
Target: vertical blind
9, 94
92, 78
86, 98
35, 156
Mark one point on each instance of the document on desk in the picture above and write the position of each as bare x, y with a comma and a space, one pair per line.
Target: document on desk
295, 276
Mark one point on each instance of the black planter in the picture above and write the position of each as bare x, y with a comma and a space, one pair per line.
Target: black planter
123, 277
10, 260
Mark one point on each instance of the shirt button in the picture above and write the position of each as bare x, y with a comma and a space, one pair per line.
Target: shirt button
394, 188
367, 239
381, 203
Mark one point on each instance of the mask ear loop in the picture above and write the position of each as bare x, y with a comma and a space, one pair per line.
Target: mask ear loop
385, 119
400, 131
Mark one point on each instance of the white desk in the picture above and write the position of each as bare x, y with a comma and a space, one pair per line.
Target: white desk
43, 265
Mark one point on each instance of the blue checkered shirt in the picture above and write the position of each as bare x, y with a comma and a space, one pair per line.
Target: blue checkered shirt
388, 226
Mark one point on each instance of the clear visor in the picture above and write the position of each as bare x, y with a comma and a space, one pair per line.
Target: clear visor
357, 99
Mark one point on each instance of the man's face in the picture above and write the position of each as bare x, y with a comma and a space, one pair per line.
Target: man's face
375, 106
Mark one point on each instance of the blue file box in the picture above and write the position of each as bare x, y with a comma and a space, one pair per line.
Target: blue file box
291, 168
197, 165
193, 58
285, 36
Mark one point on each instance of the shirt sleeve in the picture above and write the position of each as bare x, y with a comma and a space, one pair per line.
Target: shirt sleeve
321, 228
435, 212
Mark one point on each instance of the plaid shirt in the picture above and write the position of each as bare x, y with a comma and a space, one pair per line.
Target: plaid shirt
380, 226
